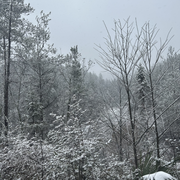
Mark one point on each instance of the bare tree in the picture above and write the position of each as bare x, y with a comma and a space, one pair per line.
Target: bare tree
150, 60
123, 52
120, 59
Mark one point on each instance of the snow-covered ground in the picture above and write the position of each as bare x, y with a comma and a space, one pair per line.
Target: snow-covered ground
158, 176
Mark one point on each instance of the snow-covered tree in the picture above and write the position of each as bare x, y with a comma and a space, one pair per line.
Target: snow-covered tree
38, 56
10, 31
75, 148
143, 89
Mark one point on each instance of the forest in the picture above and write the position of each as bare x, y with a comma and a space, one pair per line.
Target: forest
60, 121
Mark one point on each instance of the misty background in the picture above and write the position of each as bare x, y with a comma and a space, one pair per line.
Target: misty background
80, 22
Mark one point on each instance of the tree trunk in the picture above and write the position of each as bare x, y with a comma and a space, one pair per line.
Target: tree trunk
155, 123
132, 123
7, 75
120, 126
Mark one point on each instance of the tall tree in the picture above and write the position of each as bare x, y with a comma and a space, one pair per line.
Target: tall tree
39, 58
149, 35
72, 72
10, 15
120, 60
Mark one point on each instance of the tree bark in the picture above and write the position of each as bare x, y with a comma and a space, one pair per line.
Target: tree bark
132, 127
120, 125
155, 123
7, 74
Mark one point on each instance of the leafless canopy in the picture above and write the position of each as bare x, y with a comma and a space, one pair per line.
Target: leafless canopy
127, 46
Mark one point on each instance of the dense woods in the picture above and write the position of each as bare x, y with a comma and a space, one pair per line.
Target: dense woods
60, 121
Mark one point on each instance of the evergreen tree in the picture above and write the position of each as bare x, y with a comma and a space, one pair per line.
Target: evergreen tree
10, 31
39, 58
73, 74
143, 93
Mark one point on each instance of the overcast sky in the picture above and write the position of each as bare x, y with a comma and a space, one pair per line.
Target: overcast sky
80, 22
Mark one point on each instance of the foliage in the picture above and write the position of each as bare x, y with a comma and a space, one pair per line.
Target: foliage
75, 151
67, 123
147, 165
24, 159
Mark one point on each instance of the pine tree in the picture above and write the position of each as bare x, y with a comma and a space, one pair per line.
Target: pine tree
74, 77
39, 57
143, 90
10, 31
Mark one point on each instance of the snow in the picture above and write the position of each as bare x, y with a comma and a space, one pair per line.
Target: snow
158, 176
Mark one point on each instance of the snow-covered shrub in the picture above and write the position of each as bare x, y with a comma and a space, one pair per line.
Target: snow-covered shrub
24, 159
147, 164
112, 168
158, 176
75, 149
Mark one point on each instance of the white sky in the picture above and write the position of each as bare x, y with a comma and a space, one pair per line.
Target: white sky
80, 22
